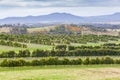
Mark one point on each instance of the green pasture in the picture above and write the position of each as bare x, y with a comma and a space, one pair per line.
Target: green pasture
80, 72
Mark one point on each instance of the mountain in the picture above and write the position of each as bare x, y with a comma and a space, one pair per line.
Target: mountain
54, 17
105, 18
61, 18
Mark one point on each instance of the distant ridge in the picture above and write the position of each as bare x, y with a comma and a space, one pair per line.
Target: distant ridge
61, 18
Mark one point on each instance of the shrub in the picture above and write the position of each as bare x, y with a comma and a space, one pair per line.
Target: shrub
24, 53
35, 62
22, 62
93, 61
108, 60
65, 61
117, 61
86, 61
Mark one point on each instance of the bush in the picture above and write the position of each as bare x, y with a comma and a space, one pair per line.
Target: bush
117, 61
86, 61
22, 62
108, 60
65, 61
35, 62
24, 53
52, 61
61, 47
93, 61
4, 63
71, 48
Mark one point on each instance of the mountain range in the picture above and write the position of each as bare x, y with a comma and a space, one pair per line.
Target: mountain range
61, 18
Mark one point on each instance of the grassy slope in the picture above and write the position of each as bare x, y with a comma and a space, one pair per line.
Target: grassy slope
93, 72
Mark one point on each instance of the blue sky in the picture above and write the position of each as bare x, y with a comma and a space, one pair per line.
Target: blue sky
10, 8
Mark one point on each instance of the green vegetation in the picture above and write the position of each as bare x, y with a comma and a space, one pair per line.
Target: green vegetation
58, 45
13, 44
52, 39
61, 72
48, 41
58, 56
57, 61
30, 47
61, 53
58, 53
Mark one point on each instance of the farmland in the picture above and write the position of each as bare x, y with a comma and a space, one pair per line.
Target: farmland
58, 56
92, 72
48, 41
32, 46
59, 40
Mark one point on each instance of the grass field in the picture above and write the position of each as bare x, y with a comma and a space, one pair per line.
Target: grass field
91, 72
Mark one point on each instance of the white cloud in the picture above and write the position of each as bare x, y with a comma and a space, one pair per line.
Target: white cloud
58, 3
77, 7
81, 11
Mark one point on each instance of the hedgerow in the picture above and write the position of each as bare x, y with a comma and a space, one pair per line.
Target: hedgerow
58, 61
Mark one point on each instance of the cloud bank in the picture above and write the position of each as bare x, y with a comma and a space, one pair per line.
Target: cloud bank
58, 3
10, 8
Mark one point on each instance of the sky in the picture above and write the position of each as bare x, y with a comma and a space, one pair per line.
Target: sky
10, 8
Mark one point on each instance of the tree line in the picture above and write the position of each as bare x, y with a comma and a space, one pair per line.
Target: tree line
57, 61
60, 53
